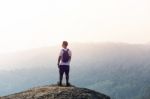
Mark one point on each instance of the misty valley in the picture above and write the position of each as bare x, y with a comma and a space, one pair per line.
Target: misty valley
117, 69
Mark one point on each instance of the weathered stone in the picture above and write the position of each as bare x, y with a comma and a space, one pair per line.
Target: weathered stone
56, 92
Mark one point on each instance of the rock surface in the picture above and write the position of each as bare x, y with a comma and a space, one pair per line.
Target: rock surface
56, 92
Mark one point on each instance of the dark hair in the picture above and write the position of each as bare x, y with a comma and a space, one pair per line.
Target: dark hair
65, 43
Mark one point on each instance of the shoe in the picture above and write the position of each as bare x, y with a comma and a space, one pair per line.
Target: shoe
59, 84
68, 84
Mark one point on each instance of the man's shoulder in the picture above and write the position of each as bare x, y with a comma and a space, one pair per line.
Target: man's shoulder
65, 49
62, 51
69, 50
70, 53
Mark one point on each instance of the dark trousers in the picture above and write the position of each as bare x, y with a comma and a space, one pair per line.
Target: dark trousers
64, 69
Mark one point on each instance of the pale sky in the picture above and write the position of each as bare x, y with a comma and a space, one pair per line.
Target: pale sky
26, 24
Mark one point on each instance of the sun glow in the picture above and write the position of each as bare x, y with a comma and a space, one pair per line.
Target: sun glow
26, 24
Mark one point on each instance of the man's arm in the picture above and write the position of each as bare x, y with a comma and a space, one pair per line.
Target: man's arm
70, 58
70, 53
59, 58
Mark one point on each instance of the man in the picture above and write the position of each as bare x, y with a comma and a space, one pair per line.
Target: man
64, 63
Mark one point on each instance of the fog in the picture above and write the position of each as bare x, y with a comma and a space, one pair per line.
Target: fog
119, 70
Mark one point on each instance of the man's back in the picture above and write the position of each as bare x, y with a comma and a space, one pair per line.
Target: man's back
62, 55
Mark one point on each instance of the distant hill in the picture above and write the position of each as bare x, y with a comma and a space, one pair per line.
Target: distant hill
56, 92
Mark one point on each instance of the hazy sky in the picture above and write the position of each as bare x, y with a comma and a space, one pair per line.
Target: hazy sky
34, 23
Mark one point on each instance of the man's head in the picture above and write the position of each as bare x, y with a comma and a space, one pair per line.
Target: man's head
64, 44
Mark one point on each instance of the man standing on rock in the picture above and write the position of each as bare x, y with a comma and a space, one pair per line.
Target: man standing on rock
64, 63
